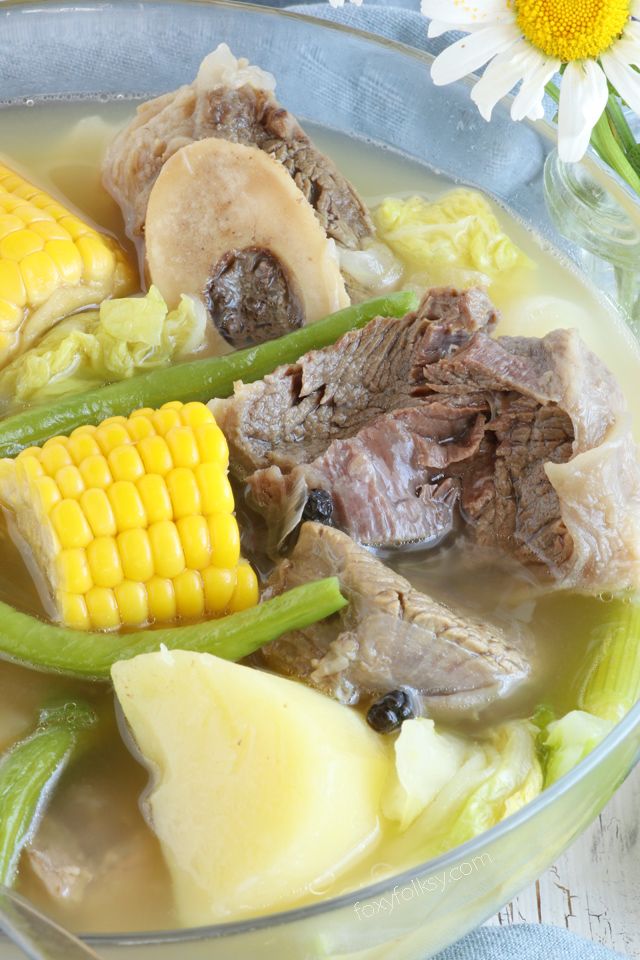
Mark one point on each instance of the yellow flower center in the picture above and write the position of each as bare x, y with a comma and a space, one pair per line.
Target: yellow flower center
572, 29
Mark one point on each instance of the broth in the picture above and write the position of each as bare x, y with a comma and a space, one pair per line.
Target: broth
93, 842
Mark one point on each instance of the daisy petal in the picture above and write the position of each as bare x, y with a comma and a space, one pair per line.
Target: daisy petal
461, 14
528, 101
623, 77
437, 28
628, 49
583, 97
635, 8
472, 52
501, 76
536, 112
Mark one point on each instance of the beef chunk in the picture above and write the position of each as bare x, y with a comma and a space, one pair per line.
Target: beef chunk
389, 636
234, 101
405, 419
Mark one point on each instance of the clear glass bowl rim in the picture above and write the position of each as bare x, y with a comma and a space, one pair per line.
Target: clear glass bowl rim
618, 734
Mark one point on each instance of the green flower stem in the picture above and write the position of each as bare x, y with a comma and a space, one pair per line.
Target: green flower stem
612, 153
619, 125
611, 138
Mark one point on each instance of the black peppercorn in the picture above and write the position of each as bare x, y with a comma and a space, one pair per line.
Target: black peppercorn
389, 712
319, 507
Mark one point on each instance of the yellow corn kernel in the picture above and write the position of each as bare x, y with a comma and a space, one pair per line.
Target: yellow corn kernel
110, 435
164, 419
95, 472
47, 492
246, 592
125, 463
156, 455
98, 512
55, 442
104, 562
81, 446
127, 505
155, 498
28, 469
102, 608
225, 540
73, 610
74, 227
132, 602
70, 482
162, 599
66, 258
194, 535
117, 418
172, 405
184, 493
98, 260
85, 429
54, 457
135, 555
41, 277
74, 574
183, 447
29, 452
9, 224
189, 594
70, 524
212, 444
168, 555
215, 490
193, 414
219, 585
20, 244
142, 412
140, 427
50, 230
10, 318
11, 283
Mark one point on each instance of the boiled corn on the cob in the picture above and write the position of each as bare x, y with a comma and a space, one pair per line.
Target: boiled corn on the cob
132, 521
51, 263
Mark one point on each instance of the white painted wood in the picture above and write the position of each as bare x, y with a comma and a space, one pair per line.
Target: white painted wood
594, 888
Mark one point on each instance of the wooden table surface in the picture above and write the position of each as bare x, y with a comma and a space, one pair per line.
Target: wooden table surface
594, 888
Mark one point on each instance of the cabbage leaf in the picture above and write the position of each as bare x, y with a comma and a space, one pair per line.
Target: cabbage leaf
100, 346
453, 240
569, 740
463, 786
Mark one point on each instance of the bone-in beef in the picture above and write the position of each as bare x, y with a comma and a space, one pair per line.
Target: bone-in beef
402, 420
389, 636
232, 100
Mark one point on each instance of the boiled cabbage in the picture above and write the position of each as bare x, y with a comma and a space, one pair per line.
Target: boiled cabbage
99, 346
569, 740
453, 240
464, 787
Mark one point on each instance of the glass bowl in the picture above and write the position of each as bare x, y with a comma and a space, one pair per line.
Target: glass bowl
377, 90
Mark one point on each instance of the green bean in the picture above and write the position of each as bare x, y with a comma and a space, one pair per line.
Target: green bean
81, 653
29, 772
195, 380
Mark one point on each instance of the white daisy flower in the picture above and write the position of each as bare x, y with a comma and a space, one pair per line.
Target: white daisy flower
527, 41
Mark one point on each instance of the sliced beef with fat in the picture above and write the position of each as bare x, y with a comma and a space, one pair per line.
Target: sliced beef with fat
400, 421
389, 636
347, 419
233, 100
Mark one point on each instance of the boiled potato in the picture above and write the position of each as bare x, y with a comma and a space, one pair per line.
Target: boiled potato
263, 788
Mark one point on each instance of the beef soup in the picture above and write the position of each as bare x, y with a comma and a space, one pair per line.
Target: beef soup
360, 591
